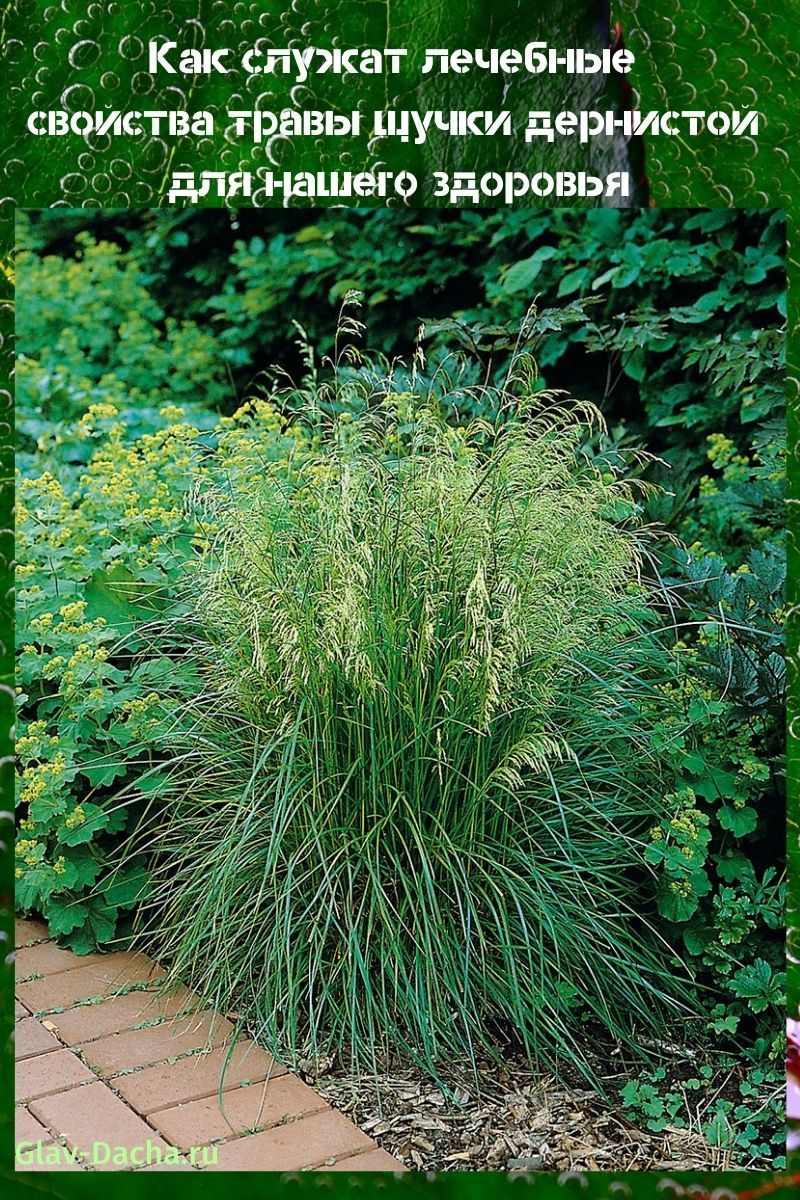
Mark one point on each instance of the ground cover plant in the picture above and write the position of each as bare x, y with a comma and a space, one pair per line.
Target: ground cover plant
100, 545
686, 363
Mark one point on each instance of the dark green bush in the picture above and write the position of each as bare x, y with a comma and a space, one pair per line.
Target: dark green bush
89, 330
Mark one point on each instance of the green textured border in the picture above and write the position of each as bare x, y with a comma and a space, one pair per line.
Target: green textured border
672, 39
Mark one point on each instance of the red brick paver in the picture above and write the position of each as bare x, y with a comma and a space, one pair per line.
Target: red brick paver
141, 1073
28, 932
111, 974
31, 1037
369, 1160
87, 1022
196, 1077
157, 1043
308, 1142
49, 1073
94, 1116
46, 958
259, 1106
28, 1129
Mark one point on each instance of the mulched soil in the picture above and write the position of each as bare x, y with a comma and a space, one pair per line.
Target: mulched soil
522, 1123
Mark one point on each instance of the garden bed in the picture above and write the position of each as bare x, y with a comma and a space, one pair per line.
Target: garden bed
466, 696
521, 1123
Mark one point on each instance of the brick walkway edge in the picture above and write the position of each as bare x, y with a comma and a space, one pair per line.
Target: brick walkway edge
111, 1078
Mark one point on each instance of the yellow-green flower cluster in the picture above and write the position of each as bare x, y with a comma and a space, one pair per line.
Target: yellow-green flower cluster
41, 777
686, 827
121, 528
75, 818
36, 742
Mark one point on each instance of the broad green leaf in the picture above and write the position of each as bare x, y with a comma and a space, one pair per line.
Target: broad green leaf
65, 915
740, 821
94, 820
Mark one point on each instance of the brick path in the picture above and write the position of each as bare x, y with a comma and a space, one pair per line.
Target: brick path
100, 1059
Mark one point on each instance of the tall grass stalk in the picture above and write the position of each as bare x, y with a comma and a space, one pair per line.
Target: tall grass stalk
412, 798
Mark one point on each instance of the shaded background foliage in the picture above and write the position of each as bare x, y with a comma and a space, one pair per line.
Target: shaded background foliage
673, 282
672, 322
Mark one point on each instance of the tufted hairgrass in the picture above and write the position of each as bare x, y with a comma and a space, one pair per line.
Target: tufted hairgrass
410, 805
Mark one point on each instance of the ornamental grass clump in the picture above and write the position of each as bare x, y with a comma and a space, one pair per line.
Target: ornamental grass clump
409, 807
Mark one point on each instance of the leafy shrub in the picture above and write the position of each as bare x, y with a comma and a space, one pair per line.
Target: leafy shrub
117, 345
389, 256
100, 548
411, 799
687, 326
689, 313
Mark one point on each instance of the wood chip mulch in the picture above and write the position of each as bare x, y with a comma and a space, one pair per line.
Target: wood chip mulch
524, 1124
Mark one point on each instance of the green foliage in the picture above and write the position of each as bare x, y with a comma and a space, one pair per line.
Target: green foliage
739, 506
714, 847
691, 319
117, 346
687, 316
391, 257
672, 322
99, 550
729, 1112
